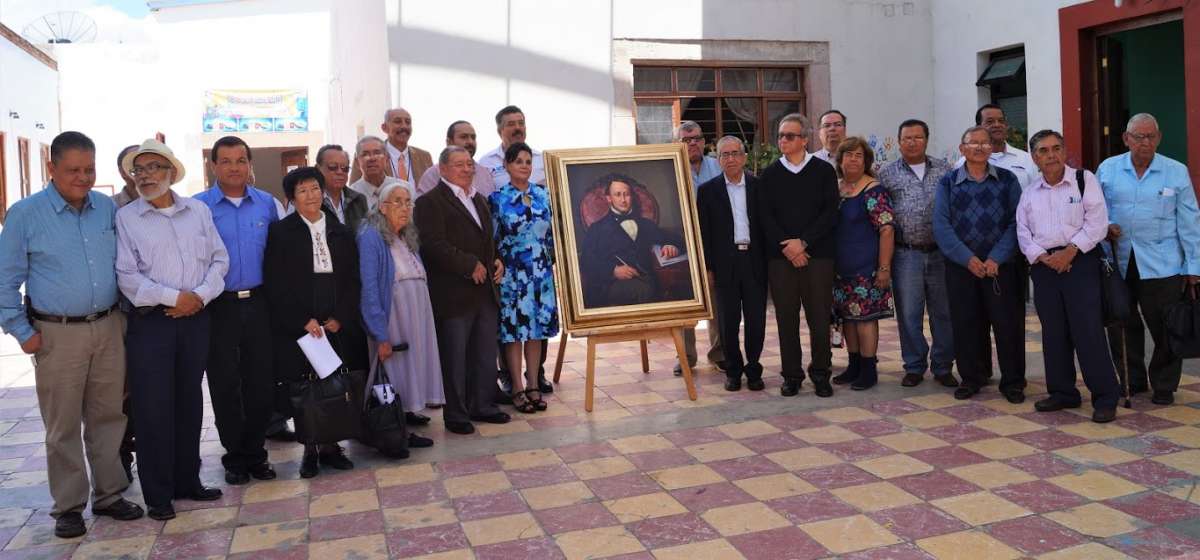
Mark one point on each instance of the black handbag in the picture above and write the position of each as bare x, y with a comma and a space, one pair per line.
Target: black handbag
1114, 292
1182, 324
383, 425
327, 410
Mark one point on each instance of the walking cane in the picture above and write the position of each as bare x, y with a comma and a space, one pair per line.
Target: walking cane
1123, 368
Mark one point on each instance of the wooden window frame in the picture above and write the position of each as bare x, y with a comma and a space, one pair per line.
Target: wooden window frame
675, 95
44, 149
23, 166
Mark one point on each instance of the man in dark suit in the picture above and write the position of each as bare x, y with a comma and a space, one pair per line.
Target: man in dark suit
618, 263
733, 254
463, 269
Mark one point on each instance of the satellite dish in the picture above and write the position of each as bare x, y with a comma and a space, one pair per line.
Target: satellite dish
61, 27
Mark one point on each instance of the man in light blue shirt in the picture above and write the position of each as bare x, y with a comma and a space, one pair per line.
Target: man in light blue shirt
61, 244
1156, 224
241, 380
704, 168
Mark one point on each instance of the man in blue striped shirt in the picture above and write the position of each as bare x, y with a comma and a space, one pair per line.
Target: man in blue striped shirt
241, 380
61, 244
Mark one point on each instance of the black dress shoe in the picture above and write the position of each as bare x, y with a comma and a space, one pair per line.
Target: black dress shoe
335, 458
733, 384
822, 388
790, 388
755, 384
964, 392
237, 477
544, 385
1104, 415
947, 380
911, 380
414, 419
262, 471
121, 510
282, 435
497, 418
1015, 396
310, 465
1051, 404
162, 513
1163, 397
463, 428
415, 440
69, 525
203, 494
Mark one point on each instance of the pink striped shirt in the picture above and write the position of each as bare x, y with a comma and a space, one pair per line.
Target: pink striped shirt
1051, 216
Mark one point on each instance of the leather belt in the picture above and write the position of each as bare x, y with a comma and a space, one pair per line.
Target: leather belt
62, 320
239, 294
918, 247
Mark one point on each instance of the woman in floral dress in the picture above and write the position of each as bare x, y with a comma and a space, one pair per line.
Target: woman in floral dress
528, 308
862, 293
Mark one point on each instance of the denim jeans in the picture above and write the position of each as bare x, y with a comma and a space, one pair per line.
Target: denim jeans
919, 281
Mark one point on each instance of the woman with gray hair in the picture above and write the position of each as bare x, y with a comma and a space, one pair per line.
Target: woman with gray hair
395, 304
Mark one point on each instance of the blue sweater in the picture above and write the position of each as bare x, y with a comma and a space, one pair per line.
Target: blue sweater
977, 218
378, 271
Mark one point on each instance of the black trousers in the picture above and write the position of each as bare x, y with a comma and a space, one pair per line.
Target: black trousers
742, 295
166, 359
241, 380
1149, 300
467, 351
1069, 308
810, 287
979, 304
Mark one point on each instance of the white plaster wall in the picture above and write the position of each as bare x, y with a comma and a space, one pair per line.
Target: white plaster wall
121, 94
30, 88
965, 31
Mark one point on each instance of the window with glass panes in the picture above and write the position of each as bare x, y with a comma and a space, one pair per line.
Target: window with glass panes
738, 99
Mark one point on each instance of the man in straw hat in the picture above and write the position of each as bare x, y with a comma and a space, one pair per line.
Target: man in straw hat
170, 264
59, 243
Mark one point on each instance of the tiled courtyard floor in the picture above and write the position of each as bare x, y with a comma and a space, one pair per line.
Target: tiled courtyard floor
887, 473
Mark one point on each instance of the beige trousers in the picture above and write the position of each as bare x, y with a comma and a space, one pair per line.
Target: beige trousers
80, 375
716, 352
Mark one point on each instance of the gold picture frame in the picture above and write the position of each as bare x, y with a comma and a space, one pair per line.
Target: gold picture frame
589, 230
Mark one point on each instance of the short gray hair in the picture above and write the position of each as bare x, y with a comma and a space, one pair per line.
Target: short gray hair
376, 219
359, 146
729, 138
805, 126
686, 125
971, 131
444, 158
1141, 118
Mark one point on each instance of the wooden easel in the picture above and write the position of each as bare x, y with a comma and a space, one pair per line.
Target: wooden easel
642, 333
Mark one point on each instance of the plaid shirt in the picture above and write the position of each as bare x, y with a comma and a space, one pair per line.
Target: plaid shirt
912, 198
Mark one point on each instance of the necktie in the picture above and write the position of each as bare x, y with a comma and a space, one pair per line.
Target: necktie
401, 168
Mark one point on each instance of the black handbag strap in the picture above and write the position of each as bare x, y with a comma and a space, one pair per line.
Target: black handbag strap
377, 376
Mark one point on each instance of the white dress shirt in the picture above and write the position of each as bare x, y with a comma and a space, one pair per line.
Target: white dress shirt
365, 188
322, 262
466, 201
795, 168
394, 156
494, 162
824, 155
741, 216
1016, 160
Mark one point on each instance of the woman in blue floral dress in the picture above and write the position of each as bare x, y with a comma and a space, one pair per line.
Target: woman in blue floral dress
528, 308
862, 293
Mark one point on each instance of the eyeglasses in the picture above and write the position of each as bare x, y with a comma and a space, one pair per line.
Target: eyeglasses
151, 168
334, 168
402, 205
976, 145
368, 155
790, 136
1139, 138
731, 155
692, 139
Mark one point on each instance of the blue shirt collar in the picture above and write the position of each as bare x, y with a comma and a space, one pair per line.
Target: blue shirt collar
58, 203
961, 174
1155, 164
249, 197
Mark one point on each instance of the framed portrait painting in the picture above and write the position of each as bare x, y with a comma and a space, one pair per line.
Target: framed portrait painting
628, 241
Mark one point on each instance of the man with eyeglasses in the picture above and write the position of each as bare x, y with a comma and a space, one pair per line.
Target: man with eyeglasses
704, 168
831, 132
241, 378
919, 268
461, 134
1156, 224
974, 225
1004, 155
799, 211
733, 252
348, 205
372, 163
